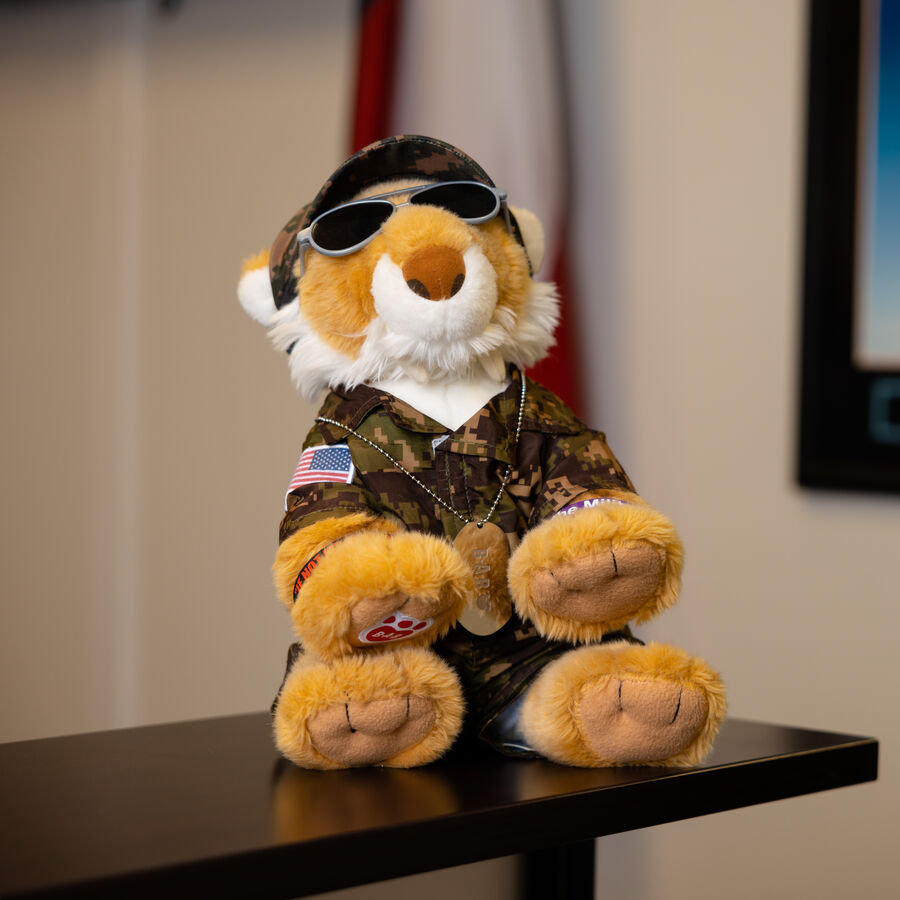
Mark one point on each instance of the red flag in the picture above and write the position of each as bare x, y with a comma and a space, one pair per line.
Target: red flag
376, 54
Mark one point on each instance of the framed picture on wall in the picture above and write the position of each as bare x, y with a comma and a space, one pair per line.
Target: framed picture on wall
850, 374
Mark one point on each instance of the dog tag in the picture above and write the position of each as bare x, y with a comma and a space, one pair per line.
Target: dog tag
486, 551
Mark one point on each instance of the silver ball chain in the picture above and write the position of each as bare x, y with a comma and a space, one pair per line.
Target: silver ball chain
504, 481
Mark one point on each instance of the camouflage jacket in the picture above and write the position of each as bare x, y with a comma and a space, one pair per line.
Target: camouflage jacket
557, 459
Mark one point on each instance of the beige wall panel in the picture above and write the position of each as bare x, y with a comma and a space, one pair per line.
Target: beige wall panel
58, 367
150, 429
691, 115
241, 129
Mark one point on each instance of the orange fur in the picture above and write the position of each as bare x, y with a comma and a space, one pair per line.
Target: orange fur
562, 539
370, 565
313, 685
336, 299
335, 294
508, 258
296, 550
549, 719
259, 261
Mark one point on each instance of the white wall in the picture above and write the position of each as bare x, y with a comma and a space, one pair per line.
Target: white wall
149, 429
689, 125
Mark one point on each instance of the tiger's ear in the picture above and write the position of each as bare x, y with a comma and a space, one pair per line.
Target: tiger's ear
255, 289
532, 234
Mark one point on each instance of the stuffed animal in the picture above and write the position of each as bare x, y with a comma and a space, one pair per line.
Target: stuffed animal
457, 547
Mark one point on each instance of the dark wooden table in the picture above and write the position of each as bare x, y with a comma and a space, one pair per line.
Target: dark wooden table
206, 809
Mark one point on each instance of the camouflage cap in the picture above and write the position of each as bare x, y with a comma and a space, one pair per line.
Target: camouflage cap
401, 156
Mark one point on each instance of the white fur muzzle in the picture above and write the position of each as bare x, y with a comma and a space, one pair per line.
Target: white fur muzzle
424, 339
464, 315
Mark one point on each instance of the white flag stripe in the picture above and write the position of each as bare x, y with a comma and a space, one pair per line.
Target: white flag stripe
318, 476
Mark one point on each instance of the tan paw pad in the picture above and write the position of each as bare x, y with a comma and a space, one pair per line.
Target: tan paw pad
640, 721
602, 587
359, 733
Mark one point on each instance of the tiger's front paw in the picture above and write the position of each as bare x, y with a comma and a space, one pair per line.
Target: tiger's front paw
580, 576
370, 590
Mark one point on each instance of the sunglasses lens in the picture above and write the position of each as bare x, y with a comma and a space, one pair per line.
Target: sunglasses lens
468, 200
347, 226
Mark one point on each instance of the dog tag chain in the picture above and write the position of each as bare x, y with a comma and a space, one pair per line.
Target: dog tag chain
482, 544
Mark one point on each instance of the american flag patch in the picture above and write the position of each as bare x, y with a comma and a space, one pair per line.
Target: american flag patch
327, 462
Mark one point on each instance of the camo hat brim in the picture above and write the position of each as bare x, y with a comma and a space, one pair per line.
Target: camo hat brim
401, 156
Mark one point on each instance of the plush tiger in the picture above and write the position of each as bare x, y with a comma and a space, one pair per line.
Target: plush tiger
458, 550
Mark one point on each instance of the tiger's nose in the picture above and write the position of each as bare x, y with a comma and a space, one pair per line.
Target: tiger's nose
435, 273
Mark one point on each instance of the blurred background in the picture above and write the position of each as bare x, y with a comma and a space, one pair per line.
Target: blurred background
149, 430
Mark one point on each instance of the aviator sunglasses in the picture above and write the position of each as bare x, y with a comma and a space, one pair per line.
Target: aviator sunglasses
349, 227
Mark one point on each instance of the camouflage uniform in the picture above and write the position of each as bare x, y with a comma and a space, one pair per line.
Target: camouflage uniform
557, 459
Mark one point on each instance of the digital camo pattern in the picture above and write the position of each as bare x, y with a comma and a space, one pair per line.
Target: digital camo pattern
400, 156
283, 258
557, 460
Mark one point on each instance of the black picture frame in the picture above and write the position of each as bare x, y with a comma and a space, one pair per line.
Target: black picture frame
849, 417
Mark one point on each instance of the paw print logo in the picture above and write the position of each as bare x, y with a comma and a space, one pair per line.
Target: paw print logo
394, 627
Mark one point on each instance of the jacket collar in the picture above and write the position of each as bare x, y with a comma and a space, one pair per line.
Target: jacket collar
489, 433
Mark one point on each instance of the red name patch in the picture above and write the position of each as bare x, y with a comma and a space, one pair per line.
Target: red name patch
308, 569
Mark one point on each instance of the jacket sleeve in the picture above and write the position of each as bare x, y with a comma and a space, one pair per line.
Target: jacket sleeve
318, 514
579, 466
325, 500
